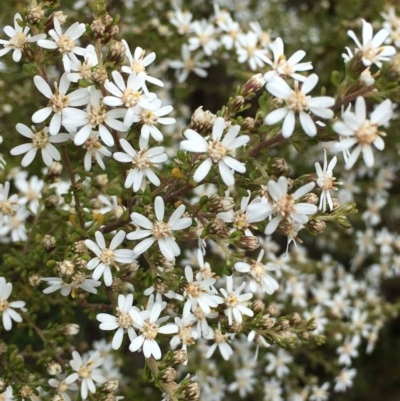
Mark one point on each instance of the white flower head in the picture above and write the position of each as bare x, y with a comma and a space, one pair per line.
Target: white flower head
148, 324
58, 101
221, 341
122, 322
235, 302
79, 280
205, 37
281, 66
358, 130
107, 256
218, 151
65, 43
298, 102
258, 273
247, 50
8, 205
41, 140
371, 50
95, 151
138, 63
86, 372
142, 162
6, 307
326, 182
159, 230
189, 64
19, 37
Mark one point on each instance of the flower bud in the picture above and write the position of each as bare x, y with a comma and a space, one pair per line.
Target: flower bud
3, 348
49, 24
311, 326
336, 203
49, 242
316, 226
54, 368
266, 323
101, 180
97, 28
66, 268
58, 397
117, 284
236, 327
257, 306
168, 375
35, 280
80, 247
217, 204
310, 198
304, 335
35, 15
248, 123
111, 386
218, 227
272, 310
278, 166
26, 391
81, 263
192, 392
99, 75
202, 121
54, 171
179, 357
248, 243
238, 102
254, 84
282, 325
78, 278
70, 329
295, 318
116, 52
111, 32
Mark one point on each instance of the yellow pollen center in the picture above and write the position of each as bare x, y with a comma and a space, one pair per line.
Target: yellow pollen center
86, 71
216, 151
231, 300
219, 337
106, 256
65, 44
137, 66
194, 290
18, 41
148, 117
284, 206
97, 116
124, 319
85, 371
297, 101
189, 64
161, 230
92, 143
40, 140
130, 97
185, 334
141, 161
367, 133
7, 207
3, 304
58, 102
150, 330
240, 220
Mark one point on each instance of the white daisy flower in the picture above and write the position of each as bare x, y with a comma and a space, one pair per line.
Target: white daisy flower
344, 380
246, 49
41, 140
58, 101
159, 230
6, 307
371, 50
278, 363
128, 95
181, 20
222, 342
149, 117
95, 117
138, 63
232, 30
31, 192
148, 324
65, 43
199, 292
189, 64
283, 205
123, 321
142, 161
62, 388
217, 151
297, 102
235, 301
107, 256
358, 130
15, 226
281, 66
326, 182
86, 372
319, 393
83, 70
8, 205
78, 281
205, 37
95, 151
260, 280
19, 37
186, 335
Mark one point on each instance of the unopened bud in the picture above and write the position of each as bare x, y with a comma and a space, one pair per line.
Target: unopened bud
272, 310
179, 357
54, 171
26, 391
81, 263
257, 306
117, 284
3, 348
248, 123
304, 335
238, 102
54, 368
35, 15
236, 327
66, 268
49, 24
254, 84
316, 226
218, 227
49, 242
99, 75
310, 198
394, 65
28, 53
192, 392
111, 386
116, 52
35, 280
101, 180
278, 166
202, 121
70, 329
311, 326
168, 375
266, 323
290, 342
248, 243
80, 247
336, 203
282, 325
111, 32
217, 204
295, 318
97, 28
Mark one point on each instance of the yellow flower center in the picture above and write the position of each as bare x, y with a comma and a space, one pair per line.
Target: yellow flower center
65, 44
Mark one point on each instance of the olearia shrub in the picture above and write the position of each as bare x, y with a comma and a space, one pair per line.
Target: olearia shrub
217, 222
